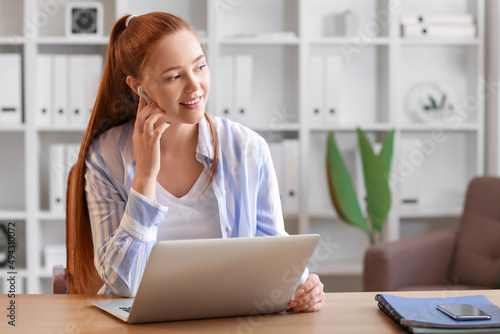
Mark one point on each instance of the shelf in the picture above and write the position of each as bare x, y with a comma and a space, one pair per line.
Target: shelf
56, 40
349, 40
12, 215
440, 127
61, 128
439, 212
436, 212
341, 269
282, 37
352, 127
439, 41
12, 40
12, 128
47, 215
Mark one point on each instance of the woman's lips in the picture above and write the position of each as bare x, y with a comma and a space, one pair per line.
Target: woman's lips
193, 105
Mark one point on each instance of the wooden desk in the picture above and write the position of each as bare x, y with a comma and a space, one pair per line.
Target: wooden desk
343, 313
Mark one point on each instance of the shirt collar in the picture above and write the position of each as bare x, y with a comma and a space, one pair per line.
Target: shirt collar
205, 147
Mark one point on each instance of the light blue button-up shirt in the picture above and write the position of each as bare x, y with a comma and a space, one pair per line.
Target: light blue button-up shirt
124, 222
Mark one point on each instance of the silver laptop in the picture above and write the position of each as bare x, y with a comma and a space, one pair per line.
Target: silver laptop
208, 278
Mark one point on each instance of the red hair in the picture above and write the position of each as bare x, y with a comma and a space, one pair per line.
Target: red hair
117, 103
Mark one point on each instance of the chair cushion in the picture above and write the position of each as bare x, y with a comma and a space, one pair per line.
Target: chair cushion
477, 253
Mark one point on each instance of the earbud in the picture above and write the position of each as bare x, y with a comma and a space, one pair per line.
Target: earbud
144, 96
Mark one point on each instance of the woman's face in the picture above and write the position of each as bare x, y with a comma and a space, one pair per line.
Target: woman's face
177, 77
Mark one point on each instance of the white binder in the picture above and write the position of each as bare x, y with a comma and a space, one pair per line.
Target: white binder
94, 64
44, 90
333, 86
243, 71
278, 156
77, 90
60, 93
316, 90
225, 90
10, 89
57, 170
291, 149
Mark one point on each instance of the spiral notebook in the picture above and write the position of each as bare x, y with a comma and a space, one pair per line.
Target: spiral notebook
419, 315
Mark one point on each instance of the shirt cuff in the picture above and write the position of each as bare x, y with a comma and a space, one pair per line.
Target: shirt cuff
142, 216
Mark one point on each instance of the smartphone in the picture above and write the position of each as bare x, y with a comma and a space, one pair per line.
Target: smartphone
463, 312
144, 96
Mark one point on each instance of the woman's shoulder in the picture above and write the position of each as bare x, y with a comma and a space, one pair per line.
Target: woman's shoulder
113, 141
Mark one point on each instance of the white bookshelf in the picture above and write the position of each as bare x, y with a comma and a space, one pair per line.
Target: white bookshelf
373, 95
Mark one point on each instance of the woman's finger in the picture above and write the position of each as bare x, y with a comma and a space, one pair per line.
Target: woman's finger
311, 282
142, 104
315, 307
151, 122
314, 298
145, 113
308, 291
304, 299
159, 131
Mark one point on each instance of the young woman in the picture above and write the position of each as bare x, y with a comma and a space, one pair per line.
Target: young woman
168, 170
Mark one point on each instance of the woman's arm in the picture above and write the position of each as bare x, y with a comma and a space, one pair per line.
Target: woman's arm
123, 229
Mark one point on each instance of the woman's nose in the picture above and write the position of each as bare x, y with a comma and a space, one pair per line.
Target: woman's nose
192, 84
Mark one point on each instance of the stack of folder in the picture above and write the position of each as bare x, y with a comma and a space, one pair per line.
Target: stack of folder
438, 26
66, 88
235, 88
324, 89
420, 315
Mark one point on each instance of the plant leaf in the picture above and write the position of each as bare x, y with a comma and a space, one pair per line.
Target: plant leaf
385, 155
342, 192
443, 100
434, 105
378, 194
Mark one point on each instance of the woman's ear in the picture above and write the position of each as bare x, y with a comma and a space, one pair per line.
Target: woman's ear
133, 83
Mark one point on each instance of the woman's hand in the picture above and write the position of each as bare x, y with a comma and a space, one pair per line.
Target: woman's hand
310, 296
150, 123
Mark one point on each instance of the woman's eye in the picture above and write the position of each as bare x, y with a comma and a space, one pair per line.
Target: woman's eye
202, 67
173, 77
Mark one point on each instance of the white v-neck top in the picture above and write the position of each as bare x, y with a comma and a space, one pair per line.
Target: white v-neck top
193, 216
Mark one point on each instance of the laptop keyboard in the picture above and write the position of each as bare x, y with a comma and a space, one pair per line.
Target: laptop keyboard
126, 309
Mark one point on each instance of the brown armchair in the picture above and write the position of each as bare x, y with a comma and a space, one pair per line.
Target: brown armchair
466, 259
63, 279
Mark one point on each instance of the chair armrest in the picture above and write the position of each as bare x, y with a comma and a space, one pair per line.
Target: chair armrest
421, 260
60, 281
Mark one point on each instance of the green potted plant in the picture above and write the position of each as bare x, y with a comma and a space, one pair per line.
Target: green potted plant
376, 170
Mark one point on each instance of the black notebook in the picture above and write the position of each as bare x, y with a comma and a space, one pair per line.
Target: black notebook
419, 315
